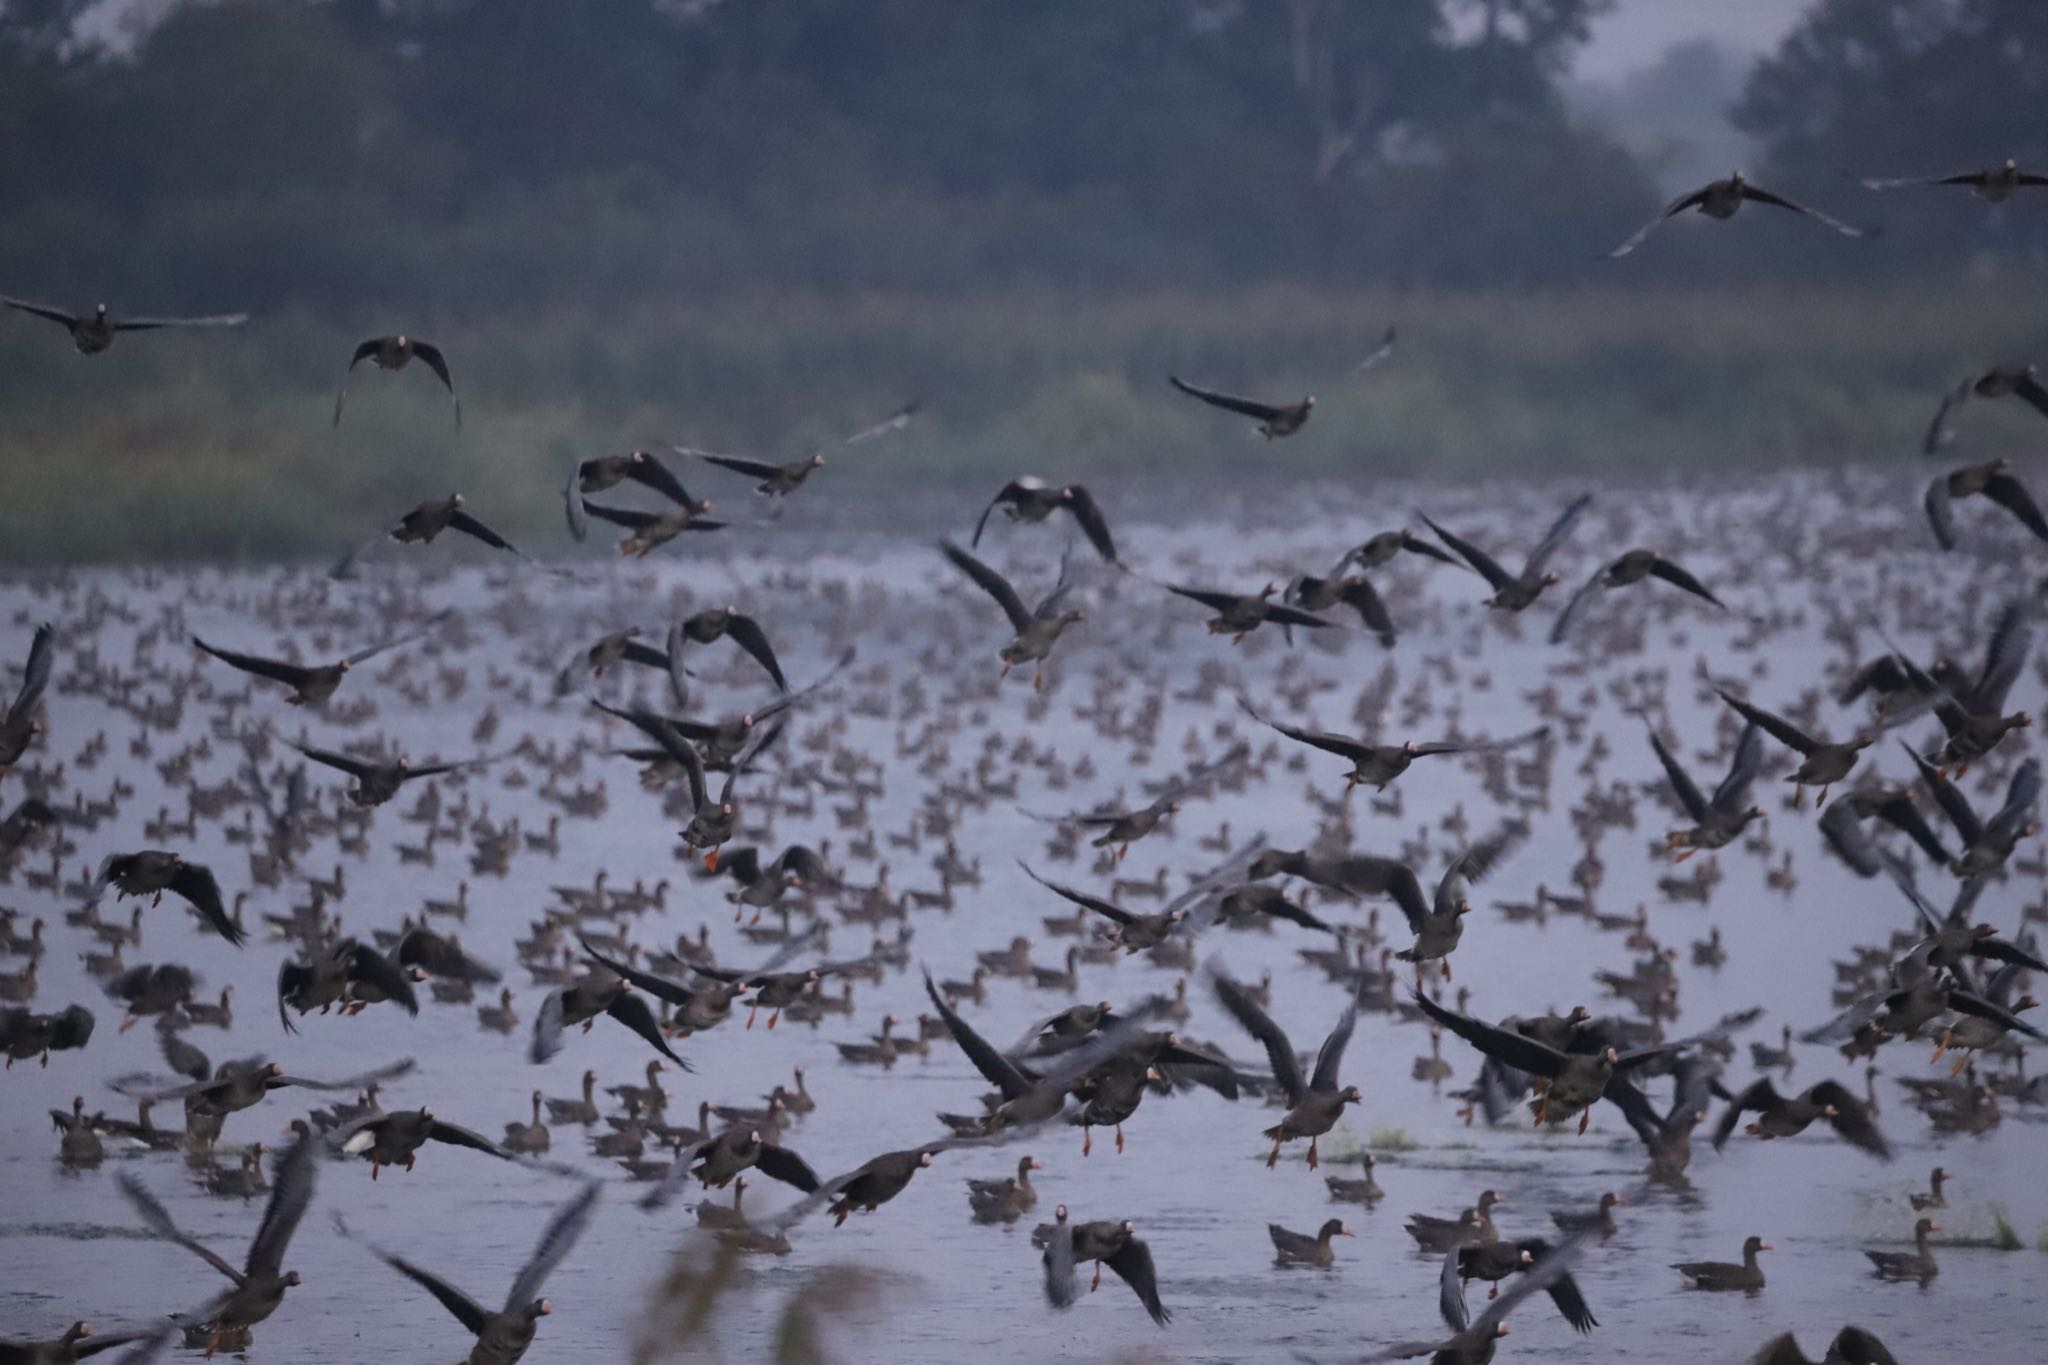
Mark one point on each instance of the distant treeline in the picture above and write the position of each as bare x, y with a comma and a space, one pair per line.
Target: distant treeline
477, 156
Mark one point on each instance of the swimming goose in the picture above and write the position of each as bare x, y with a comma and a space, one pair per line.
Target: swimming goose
1722, 1276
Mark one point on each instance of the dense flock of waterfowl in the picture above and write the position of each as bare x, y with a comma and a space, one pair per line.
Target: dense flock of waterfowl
238, 792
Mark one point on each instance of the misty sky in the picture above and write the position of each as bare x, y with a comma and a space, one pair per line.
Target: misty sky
1629, 38
1638, 30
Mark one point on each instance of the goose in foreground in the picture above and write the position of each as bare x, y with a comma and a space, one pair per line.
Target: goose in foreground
1569, 1082
1113, 1244
24, 1034
1823, 763
1127, 929
1440, 925
153, 871
2000, 381
1238, 615
1316, 594
395, 1138
1296, 1248
1027, 1096
1842, 827
1851, 1346
721, 1158
378, 780
1720, 199
78, 1343
503, 1336
1632, 567
1274, 419
1993, 184
597, 474
1778, 1116
93, 332
1972, 711
1035, 630
239, 1085
1990, 481
1315, 1102
1376, 765
1032, 500
1382, 547
310, 685
342, 972
780, 480
1987, 844
712, 824
423, 524
581, 1003
776, 991
20, 724
1667, 1136
1473, 1340
1718, 822
718, 623
651, 530
261, 1283
1515, 592
876, 1181
395, 353
1120, 829
1722, 1275
1917, 1264
1496, 1261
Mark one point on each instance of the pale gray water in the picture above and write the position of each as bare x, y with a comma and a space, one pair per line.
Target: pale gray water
1193, 1178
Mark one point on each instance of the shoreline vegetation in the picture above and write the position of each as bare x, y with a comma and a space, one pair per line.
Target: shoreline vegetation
172, 447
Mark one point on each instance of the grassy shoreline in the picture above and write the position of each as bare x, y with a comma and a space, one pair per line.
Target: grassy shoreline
219, 446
